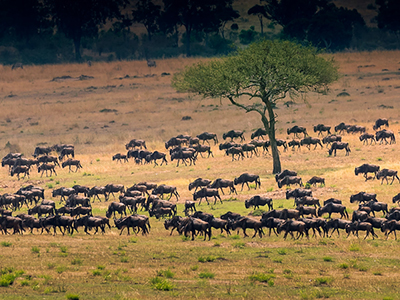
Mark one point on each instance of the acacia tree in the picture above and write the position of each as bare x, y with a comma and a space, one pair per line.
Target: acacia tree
148, 14
257, 78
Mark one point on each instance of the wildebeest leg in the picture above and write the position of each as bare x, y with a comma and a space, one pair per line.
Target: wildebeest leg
222, 191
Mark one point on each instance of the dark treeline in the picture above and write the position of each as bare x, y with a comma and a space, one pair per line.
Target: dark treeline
57, 31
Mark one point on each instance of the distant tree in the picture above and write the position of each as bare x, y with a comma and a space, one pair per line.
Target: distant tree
258, 77
83, 18
258, 11
148, 14
197, 15
388, 15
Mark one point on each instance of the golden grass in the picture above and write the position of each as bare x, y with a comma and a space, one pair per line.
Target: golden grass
43, 111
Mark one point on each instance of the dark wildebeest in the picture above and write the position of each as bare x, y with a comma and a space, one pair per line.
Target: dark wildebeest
63, 192
112, 188
339, 146
189, 205
365, 169
279, 143
307, 200
17, 65
66, 152
42, 151
205, 193
341, 127
249, 148
330, 139
333, 208
233, 134
288, 180
296, 130
259, 133
308, 141
175, 222
332, 200
227, 145
336, 224
294, 144
355, 128
166, 189
220, 183
315, 179
362, 197
136, 143
389, 227
72, 162
271, 223
245, 178
174, 141
20, 169
48, 159
377, 206
285, 173
246, 222
380, 122
183, 155
206, 136
396, 198
42, 209
47, 167
290, 225
322, 128
194, 224
257, 201
80, 189
116, 207
203, 149
81, 210
367, 136
383, 135
296, 193
235, 151
305, 210
96, 191
385, 173
161, 212
118, 157
363, 226
199, 182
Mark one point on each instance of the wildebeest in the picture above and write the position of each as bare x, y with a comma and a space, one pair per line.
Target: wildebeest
80, 189
42, 151
166, 189
42, 209
220, 183
245, 178
17, 65
205, 193
330, 139
66, 152
383, 135
199, 182
96, 191
396, 198
296, 130
336, 224
174, 141
232, 134
47, 167
189, 205
332, 200
389, 227
258, 201
285, 173
249, 148
308, 141
307, 200
341, 127
357, 226
365, 169
294, 144
279, 143
304, 210
339, 146
289, 226
299, 192
11, 222
72, 162
316, 179
380, 122
206, 136
288, 180
112, 188
116, 207
377, 206
203, 149
118, 157
161, 212
367, 136
355, 128
20, 169
136, 143
246, 222
260, 132
235, 151
322, 128
362, 197
333, 208
385, 173
193, 224
183, 155
63, 192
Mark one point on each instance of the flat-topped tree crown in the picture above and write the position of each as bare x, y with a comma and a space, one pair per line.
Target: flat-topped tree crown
258, 77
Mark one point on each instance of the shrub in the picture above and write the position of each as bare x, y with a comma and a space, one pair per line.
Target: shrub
166, 273
327, 258
35, 249
282, 251
323, 280
76, 261
206, 275
344, 266
262, 277
209, 258
6, 244
161, 284
354, 247
72, 296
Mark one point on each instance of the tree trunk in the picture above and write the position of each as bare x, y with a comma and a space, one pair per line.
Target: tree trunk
187, 42
270, 128
77, 46
261, 24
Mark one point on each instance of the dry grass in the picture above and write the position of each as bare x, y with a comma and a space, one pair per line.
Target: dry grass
42, 111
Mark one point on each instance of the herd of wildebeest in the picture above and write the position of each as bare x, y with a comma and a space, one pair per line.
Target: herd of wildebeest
75, 208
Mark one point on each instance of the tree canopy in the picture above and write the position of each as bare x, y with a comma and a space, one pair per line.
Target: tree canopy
258, 77
388, 15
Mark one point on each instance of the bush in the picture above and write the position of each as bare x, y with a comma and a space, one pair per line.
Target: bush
248, 36
72, 296
262, 277
206, 275
161, 284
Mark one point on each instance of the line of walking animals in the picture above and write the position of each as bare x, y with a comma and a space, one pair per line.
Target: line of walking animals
17, 164
304, 218
185, 148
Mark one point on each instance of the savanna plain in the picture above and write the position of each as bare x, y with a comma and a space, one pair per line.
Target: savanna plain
100, 115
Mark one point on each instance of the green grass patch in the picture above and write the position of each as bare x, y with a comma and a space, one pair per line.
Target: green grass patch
282, 251
262, 277
166, 273
206, 275
161, 284
76, 261
343, 266
323, 280
208, 258
354, 247
72, 296
6, 244
327, 258
239, 245
35, 249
